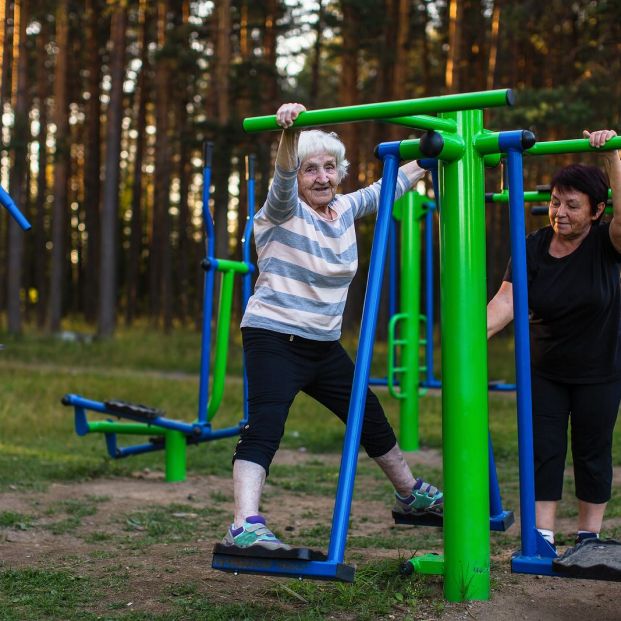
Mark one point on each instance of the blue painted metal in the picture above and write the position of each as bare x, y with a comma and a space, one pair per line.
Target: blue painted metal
533, 544
318, 570
7, 202
389, 153
208, 288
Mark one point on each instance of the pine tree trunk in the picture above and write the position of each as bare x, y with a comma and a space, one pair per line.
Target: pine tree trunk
19, 165
110, 202
59, 211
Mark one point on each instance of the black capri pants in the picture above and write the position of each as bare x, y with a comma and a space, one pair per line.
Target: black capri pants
278, 366
593, 411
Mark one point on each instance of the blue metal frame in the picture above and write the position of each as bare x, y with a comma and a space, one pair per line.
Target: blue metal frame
200, 430
7, 202
333, 568
536, 554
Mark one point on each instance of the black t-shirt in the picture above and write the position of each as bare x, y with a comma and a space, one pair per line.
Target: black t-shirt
574, 308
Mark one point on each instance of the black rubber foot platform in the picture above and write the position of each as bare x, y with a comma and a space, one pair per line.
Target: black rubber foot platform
596, 559
425, 518
132, 409
295, 554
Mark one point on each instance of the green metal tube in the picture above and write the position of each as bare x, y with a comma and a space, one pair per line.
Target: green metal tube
530, 196
226, 265
410, 150
577, 145
175, 456
464, 369
222, 343
453, 148
491, 161
386, 110
424, 122
130, 429
410, 305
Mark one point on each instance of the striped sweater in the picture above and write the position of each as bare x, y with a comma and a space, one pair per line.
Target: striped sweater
306, 263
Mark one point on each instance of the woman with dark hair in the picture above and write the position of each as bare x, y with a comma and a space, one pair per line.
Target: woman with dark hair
574, 298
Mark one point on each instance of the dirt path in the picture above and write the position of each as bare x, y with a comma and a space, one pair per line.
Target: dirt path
49, 540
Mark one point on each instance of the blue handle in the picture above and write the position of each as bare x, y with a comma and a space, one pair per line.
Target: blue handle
7, 201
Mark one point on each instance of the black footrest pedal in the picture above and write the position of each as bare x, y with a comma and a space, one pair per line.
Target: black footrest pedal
424, 518
295, 554
132, 409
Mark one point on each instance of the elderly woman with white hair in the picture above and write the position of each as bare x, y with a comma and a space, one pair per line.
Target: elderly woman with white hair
307, 257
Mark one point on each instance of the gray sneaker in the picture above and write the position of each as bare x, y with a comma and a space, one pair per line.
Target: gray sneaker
254, 532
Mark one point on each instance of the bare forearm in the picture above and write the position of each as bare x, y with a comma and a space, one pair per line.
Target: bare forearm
287, 156
500, 310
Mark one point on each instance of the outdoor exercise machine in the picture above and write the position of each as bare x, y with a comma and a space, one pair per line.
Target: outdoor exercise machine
460, 143
7, 202
173, 436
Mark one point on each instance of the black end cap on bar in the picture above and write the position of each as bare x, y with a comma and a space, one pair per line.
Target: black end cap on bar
528, 139
510, 97
431, 144
205, 264
489, 197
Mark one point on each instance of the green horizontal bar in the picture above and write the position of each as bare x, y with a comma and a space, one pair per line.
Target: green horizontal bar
227, 265
410, 150
131, 429
453, 148
529, 197
577, 145
491, 161
425, 122
386, 110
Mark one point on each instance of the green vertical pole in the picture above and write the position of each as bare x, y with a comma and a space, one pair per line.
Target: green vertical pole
464, 369
175, 450
410, 306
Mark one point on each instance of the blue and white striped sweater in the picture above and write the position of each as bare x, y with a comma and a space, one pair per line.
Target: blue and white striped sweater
306, 263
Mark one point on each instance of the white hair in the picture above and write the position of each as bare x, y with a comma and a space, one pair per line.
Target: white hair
315, 142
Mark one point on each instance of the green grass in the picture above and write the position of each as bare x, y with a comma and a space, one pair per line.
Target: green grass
38, 447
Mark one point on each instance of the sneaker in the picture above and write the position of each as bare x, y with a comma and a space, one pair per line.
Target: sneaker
584, 535
425, 498
254, 532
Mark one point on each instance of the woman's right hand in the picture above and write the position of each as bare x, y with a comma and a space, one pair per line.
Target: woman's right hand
288, 113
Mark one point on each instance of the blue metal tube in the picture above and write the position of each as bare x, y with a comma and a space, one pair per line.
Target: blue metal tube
78, 401
208, 288
495, 502
522, 352
347, 473
9, 204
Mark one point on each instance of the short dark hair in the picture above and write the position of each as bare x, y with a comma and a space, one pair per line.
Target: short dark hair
587, 179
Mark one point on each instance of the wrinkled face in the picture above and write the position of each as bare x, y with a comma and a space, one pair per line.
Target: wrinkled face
317, 180
570, 213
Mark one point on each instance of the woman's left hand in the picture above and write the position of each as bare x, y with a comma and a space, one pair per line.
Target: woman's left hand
600, 137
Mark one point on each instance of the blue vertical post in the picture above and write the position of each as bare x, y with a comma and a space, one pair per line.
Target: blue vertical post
532, 545
389, 153
393, 268
208, 287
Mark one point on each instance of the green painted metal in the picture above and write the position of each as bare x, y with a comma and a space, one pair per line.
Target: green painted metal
464, 369
530, 196
394, 343
491, 161
385, 110
226, 265
429, 564
130, 429
412, 213
410, 150
222, 340
424, 122
453, 148
175, 456
578, 145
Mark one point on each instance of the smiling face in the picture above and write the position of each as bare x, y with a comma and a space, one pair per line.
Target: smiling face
317, 181
570, 213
